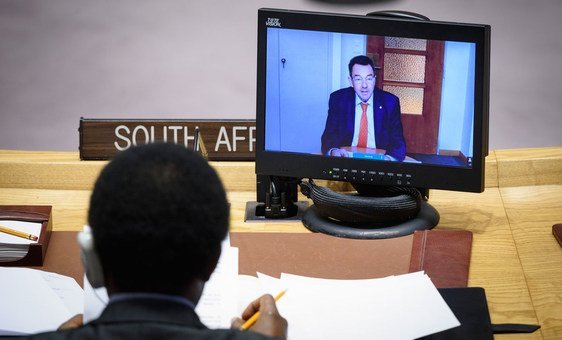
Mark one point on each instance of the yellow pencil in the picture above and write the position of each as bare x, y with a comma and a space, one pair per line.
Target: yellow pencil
18, 233
250, 322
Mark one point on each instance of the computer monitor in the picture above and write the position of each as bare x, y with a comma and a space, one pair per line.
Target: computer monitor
425, 86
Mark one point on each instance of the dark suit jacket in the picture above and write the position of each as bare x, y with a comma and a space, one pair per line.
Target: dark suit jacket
147, 319
341, 120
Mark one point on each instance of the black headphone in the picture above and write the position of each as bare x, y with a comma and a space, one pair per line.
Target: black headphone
90, 258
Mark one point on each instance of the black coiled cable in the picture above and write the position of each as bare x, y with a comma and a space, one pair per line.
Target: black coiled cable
373, 205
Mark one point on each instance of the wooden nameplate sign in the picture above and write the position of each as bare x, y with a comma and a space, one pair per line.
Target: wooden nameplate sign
32, 254
101, 139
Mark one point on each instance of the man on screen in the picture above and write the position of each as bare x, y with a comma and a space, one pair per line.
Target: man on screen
363, 116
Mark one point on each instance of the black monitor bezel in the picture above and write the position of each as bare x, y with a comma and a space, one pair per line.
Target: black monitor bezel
425, 176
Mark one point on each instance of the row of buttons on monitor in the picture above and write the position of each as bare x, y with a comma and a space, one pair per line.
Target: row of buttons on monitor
376, 177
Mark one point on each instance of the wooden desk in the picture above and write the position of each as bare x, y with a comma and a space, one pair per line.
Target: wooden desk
514, 257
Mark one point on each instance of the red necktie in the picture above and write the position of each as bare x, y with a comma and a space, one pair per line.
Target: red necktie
363, 128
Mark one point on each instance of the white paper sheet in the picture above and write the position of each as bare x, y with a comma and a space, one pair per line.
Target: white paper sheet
252, 287
35, 301
95, 301
67, 289
217, 305
397, 307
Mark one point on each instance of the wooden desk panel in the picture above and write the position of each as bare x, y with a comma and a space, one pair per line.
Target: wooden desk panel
70, 207
523, 167
495, 263
64, 170
532, 211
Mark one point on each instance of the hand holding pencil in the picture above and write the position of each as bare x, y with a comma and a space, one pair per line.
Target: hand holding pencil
268, 320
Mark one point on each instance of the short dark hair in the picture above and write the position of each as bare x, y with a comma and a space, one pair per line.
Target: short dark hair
158, 214
361, 60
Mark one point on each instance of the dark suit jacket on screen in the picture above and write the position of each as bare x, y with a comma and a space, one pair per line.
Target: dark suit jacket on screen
148, 319
341, 120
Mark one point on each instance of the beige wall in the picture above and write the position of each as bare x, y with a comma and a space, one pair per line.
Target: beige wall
63, 59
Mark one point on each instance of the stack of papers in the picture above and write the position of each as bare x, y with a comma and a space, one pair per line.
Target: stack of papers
34, 301
13, 248
395, 307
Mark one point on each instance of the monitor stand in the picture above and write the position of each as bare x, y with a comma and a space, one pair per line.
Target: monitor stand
373, 212
277, 201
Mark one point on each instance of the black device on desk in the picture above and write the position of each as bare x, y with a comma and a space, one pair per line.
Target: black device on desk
429, 110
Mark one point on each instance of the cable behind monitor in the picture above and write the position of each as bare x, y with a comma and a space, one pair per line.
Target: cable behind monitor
387, 204
381, 212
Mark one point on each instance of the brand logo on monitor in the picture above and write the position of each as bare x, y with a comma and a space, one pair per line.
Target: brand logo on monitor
273, 22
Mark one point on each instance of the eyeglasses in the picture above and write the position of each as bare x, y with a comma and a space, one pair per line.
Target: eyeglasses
359, 79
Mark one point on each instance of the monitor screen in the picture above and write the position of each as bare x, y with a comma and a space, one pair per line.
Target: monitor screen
383, 101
